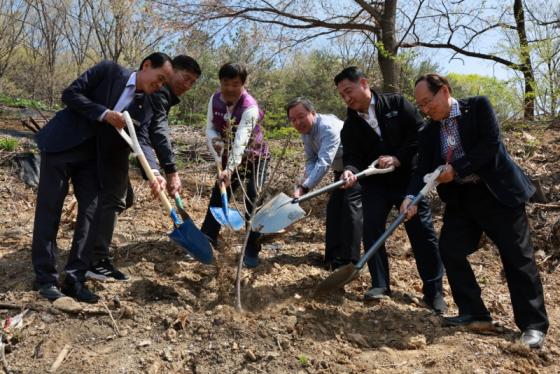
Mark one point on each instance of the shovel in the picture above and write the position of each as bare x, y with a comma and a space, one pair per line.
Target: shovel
282, 210
185, 234
230, 218
348, 272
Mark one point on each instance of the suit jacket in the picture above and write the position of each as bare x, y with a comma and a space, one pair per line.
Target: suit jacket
399, 122
155, 136
95, 91
485, 155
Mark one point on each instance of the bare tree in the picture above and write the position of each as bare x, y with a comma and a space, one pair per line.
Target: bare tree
123, 30
467, 27
78, 32
13, 15
298, 21
47, 19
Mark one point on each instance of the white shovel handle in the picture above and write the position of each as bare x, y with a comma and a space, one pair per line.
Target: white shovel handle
132, 140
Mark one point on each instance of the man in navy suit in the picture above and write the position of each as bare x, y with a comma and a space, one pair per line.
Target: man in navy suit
71, 145
484, 191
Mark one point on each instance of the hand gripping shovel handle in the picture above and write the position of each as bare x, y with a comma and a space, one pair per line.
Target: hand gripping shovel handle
372, 169
133, 142
431, 182
345, 274
218, 160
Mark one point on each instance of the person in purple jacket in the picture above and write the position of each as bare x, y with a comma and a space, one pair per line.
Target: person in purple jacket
234, 127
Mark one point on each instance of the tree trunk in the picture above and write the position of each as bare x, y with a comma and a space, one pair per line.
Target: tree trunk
527, 67
387, 51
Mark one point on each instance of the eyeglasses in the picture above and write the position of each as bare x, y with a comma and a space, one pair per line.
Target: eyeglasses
427, 102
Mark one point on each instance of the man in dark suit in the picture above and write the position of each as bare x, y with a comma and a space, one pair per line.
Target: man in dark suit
71, 145
384, 127
484, 191
153, 135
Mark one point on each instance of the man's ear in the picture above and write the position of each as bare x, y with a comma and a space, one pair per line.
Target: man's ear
364, 83
146, 65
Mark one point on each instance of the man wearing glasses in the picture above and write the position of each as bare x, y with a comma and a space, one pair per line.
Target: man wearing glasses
485, 192
384, 127
155, 134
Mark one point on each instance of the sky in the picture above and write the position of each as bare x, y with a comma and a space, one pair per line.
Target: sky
469, 65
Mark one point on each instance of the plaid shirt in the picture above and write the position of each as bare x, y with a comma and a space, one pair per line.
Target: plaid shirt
450, 134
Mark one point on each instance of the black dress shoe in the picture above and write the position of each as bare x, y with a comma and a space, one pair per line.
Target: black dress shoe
48, 291
465, 320
376, 293
532, 338
436, 303
79, 291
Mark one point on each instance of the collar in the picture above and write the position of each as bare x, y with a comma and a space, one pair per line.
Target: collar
174, 99
131, 80
455, 109
315, 126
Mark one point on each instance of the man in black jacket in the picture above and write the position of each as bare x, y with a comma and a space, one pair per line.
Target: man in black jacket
153, 135
484, 191
384, 127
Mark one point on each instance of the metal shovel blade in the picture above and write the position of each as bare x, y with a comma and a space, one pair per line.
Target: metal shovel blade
277, 214
231, 218
337, 279
188, 236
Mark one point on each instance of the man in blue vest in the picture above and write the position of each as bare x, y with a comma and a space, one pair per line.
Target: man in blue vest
71, 145
234, 116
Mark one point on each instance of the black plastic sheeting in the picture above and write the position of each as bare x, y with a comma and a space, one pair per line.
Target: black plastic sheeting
27, 164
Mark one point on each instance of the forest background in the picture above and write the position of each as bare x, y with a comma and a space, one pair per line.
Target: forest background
291, 48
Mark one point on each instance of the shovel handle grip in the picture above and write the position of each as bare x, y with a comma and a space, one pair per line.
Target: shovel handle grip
144, 163
431, 182
152, 178
372, 169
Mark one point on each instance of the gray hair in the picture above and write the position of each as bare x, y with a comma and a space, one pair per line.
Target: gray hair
300, 100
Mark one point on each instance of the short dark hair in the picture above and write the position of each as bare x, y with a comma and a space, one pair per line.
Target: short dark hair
184, 62
231, 71
300, 100
157, 59
435, 82
352, 73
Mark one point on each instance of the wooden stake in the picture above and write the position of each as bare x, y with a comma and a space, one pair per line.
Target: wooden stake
60, 358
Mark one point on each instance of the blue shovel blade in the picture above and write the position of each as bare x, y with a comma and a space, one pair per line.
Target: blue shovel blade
188, 236
233, 220
227, 217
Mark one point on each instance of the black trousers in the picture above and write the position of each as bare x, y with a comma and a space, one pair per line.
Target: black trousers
464, 221
80, 166
377, 202
113, 198
253, 175
343, 234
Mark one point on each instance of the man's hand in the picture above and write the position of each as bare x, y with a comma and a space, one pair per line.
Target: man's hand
349, 178
225, 176
385, 162
298, 192
157, 185
447, 175
115, 119
173, 183
410, 210
218, 145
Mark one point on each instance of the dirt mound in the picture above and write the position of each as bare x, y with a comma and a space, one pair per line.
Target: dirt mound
177, 316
